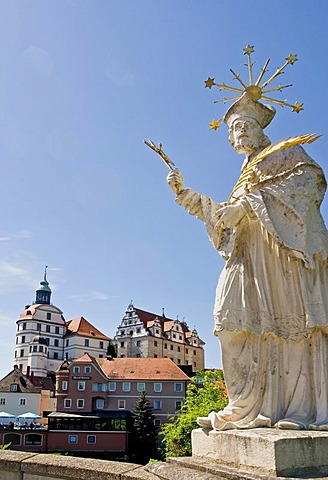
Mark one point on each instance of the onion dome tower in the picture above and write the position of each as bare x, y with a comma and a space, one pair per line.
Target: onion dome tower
43, 292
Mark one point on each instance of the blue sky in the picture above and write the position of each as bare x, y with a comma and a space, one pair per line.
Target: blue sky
82, 83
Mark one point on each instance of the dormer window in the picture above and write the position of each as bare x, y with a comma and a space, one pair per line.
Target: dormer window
13, 387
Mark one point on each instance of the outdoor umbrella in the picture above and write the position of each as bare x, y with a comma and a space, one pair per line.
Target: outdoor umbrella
28, 416
6, 417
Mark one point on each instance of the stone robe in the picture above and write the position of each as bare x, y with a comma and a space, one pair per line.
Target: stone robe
271, 306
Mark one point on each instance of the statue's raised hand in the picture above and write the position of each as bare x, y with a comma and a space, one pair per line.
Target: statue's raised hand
175, 180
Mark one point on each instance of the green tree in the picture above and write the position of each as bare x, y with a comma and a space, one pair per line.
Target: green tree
206, 392
112, 349
144, 436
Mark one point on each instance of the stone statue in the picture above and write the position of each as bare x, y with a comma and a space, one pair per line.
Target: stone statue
271, 306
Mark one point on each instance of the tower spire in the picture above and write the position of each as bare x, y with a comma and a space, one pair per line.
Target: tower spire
43, 292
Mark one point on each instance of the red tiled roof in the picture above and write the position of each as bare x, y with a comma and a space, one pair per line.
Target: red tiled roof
140, 369
81, 326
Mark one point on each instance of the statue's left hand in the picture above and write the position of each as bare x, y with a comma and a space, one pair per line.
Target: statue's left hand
229, 216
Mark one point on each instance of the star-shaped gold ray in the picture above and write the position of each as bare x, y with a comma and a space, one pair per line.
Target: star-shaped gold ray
255, 90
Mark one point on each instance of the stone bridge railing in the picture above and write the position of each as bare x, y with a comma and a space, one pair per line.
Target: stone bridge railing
16, 465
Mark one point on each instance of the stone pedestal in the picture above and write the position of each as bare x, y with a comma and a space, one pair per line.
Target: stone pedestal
265, 452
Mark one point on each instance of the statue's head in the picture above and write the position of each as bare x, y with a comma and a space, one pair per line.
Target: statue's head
246, 120
246, 136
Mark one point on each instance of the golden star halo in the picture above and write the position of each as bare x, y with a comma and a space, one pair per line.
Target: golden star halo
256, 90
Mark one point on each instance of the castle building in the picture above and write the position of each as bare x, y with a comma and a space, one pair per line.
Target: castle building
44, 339
144, 334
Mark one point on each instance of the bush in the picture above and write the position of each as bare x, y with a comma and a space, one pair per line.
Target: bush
206, 392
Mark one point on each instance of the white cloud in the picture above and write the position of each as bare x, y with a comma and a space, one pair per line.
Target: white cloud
13, 276
89, 296
23, 234
20, 234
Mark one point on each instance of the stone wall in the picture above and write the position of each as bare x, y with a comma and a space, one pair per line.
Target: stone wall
28, 466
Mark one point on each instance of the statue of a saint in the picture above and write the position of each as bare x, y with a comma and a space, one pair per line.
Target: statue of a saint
271, 306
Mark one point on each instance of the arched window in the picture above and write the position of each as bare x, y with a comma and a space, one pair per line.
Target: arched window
12, 438
33, 439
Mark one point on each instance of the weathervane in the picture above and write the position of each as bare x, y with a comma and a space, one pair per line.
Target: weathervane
255, 91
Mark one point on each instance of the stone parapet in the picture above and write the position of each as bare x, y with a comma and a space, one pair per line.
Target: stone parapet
29, 466
265, 451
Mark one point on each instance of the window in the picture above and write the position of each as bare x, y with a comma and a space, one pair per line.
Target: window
157, 422
67, 403
2, 401
99, 387
40, 348
121, 404
179, 349
138, 355
187, 351
91, 439
23, 339
67, 342
56, 355
81, 386
64, 385
24, 326
13, 387
80, 403
35, 348
194, 352
57, 330
56, 342
48, 316
38, 327
76, 370
33, 439
100, 403
157, 331
86, 342
87, 369
48, 328
178, 387
165, 345
122, 344
171, 346
138, 343
126, 386
111, 386
174, 335
22, 401
155, 343
22, 352
157, 404
141, 387
178, 405
157, 387
72, 439
101, 345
